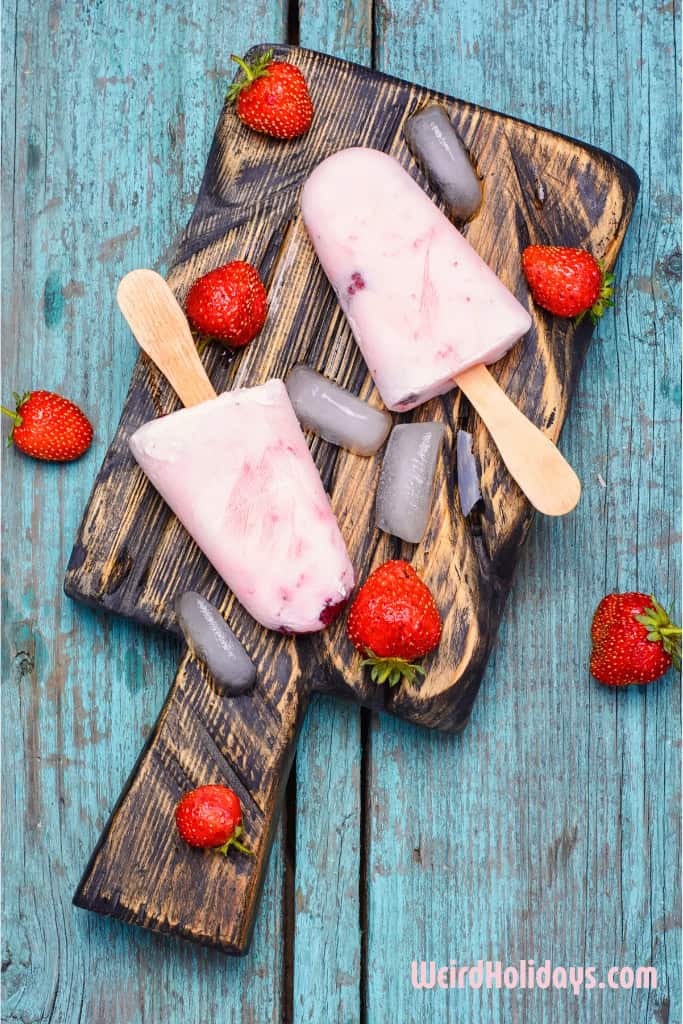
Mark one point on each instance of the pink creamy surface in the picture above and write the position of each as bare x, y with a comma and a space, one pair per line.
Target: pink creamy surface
421, 303
238, 474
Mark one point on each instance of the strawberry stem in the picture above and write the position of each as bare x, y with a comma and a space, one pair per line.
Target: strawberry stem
12, 415
243, 849
258, 69
234, 841
245, 67
605, 299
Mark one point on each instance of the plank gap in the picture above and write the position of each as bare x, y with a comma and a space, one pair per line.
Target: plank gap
293, 22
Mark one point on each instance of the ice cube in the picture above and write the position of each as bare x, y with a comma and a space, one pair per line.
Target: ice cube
335, 414
468, 474
441, 154
209, 637
406, 483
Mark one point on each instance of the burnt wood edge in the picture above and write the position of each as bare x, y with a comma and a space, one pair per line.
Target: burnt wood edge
621, 166
624, 171
106, 603
86, 899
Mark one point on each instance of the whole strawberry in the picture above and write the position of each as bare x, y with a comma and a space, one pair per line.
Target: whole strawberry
229, 303
633, 640
272, 97
49, 427
394, 620
567, 282
211, 816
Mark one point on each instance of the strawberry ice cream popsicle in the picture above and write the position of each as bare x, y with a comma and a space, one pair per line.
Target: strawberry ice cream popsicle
238, 474
422, 304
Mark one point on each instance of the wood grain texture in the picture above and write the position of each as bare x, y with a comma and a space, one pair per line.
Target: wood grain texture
132, 556
81, 690
108, 112
123, 563
550, 828
329, 767
141, 871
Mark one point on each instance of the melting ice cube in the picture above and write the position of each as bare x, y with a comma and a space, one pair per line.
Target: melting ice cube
211, 639
440, 152
336, 414
406, 483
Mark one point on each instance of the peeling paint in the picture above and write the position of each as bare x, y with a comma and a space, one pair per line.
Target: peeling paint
112, 248
53, 301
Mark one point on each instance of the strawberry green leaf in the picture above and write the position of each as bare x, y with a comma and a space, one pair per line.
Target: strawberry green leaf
16, 417
234, 841
604, 300
661, 630
391, 670
258, 69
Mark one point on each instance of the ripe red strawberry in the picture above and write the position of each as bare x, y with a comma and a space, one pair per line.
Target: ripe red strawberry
211, 816
272, 97
394, 620
567, 282
229, 303
633, 640
49, 427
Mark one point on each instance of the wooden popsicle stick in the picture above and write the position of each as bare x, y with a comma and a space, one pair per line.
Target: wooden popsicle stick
540, 469
163, 333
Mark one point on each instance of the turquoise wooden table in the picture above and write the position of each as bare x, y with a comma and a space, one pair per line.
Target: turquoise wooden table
550, 828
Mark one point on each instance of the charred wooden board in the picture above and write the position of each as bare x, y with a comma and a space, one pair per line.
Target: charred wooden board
132, 557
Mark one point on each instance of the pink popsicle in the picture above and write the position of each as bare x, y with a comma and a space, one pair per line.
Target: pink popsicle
238, 474
422, 304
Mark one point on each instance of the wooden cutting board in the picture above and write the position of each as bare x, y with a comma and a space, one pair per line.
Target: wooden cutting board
132, 557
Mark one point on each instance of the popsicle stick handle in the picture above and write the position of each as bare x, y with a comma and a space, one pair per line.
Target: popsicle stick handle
162, 331
542, 472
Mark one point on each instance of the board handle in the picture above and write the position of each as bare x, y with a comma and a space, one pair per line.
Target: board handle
141, 871
163, 333
540, 469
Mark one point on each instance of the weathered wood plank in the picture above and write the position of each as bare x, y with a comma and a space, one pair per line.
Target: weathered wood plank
110, 972
105, 129
329, 754
550, 828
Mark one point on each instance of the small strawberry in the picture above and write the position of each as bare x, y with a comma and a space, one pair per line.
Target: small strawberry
633, 640
211, 816
49, 427
567, 282
229, 303
272, 97
394, 620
